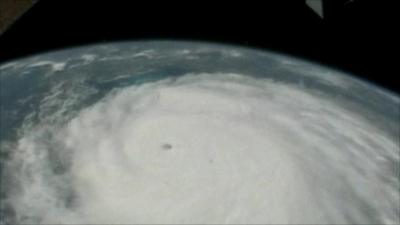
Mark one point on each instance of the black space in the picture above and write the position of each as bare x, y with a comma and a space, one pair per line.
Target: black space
355, 36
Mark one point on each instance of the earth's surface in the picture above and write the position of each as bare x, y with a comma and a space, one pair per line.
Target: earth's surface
180, 132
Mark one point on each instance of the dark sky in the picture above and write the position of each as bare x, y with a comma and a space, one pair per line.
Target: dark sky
356, 36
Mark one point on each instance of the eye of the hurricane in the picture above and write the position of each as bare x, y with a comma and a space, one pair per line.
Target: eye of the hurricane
166, 147
147, 144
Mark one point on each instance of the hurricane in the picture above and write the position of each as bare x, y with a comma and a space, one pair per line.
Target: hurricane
212, 147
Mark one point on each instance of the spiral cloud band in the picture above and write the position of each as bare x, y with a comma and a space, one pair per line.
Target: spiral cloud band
206, 148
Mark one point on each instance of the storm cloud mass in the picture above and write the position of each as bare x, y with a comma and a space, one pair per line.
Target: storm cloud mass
217, 147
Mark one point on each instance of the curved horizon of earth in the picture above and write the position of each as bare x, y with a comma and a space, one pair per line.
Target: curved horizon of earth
187, 132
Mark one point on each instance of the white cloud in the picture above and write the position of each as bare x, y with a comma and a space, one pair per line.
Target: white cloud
8, 65
183, 52
149, 53
243, 150
88, 58
12, 65
232, 53
320, 74
55, 66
